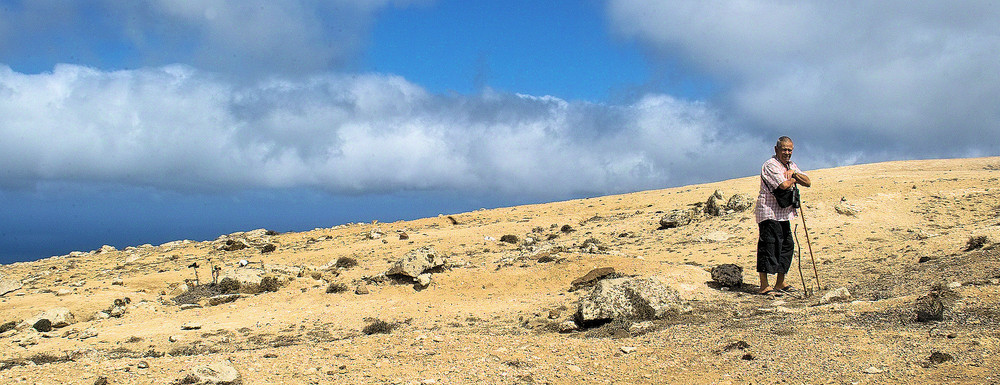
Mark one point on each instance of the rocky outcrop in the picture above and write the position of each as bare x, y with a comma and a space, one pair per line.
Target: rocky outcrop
417, 262
740, 202
715, 205
676, 218
219, 373
57, 317
629, 299
8, 286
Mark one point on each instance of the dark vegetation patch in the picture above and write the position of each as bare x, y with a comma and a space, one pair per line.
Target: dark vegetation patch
379, 326
976, 242
346, 263
8, 326
509, 238
336, 287
38, 359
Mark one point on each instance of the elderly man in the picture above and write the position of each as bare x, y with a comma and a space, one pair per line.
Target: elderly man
776, 245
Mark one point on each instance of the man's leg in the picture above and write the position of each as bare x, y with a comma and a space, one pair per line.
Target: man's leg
763, 283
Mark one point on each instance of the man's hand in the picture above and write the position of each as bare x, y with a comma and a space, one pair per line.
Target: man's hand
788, 174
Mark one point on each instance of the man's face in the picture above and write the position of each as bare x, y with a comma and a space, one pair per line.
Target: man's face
784, 151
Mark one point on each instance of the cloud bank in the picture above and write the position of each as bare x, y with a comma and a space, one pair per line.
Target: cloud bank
886, 79
182, 129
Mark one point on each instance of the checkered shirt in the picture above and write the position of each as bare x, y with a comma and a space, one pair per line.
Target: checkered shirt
772, 173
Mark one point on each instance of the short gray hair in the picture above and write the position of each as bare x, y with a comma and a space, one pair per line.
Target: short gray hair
781, 140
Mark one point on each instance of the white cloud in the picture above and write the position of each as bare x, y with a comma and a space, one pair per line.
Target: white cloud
182, 129
891, 78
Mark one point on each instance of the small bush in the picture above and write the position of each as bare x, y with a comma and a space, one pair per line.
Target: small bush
509, 238
378, 326
976, 242
346, 262
268, 248
567, 229
336, 287
229, 286
269, 284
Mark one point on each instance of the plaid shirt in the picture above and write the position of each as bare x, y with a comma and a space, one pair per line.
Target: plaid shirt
772, 173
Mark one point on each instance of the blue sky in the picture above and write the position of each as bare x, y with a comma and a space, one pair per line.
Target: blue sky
132, 122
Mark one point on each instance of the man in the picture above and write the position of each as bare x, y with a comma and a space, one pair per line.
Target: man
776, 245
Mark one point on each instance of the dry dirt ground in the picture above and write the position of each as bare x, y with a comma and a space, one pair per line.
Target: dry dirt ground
490, 315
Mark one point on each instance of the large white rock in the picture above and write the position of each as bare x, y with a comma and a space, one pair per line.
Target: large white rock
629, 299
416, 262
8, 285
58, 316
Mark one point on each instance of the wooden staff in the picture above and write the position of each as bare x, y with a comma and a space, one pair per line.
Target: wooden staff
809, 244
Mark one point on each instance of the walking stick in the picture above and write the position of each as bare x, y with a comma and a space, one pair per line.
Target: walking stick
805, 290
802, 213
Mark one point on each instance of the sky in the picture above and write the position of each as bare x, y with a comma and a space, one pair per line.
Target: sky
126, 122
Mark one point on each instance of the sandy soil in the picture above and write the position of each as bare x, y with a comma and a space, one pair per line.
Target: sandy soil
491, 315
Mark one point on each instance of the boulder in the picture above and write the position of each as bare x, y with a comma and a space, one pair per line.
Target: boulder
58, 317
675, 218
8, 286
715, 205
629, 299
840, 294
845, 208
740, 202
219, 373
929, 307
728, 275
417, 262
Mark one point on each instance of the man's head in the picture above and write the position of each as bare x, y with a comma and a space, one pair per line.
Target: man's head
783, 149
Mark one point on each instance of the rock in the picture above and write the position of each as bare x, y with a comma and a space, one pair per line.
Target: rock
57, 317
567, 327
116, 311
629, 299
220, 373
101, 381
8, 286
739, 202
43, 325
117, 282
106, 249
715, 236
840, 294
591, 278
938, 357
844, 208
191, 326
362, 289
416, 262
637, 328
234, 245
142, 365
221, 299
929, 308
243, 276
424, 279
872, 370
627, 349
675, 218
728, 275
403, 236
714, 206
63, 292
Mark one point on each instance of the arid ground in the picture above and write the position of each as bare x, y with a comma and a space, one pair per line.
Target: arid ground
497, 311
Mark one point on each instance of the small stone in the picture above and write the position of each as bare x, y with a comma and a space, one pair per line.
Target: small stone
628, 349
173, 338
191, 326
63, 292
362, 289
954, 285
424, 279
574, 368
836, 295
142, 365
567, 326
873, 370
118, 282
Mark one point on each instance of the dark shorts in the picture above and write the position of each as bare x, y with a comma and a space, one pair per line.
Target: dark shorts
774, 247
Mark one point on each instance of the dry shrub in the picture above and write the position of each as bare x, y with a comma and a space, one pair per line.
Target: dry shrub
269, 284
976, 242
378, 326
229, 286
509, 238
336, 287
346, 262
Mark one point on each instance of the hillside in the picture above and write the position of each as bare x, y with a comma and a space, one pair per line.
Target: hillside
317, 307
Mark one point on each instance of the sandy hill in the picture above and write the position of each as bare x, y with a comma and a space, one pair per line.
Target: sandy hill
496, 305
